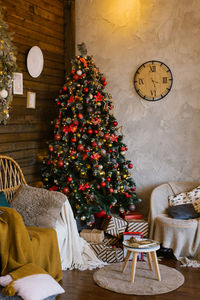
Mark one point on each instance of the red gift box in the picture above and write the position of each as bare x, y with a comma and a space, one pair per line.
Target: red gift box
132, 216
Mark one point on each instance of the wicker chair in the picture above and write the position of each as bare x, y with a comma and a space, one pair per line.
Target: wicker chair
11, 176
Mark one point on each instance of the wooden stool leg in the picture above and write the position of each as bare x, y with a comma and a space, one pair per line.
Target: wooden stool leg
155, 261
134, 261
149, 260
126, 260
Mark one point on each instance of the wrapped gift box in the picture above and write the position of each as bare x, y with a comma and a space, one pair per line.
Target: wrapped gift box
114, 226
132, 216
92, 235
112, 241
107, 253
138, 226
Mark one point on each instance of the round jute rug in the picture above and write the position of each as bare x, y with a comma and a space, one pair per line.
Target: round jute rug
146, 283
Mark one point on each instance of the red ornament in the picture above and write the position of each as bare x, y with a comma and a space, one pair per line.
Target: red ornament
86, 90
108, 179
108, 217
111, 190
75, 77
130, 166
80, 116
58, 103
122, 148
90, 131
66, 190
64, 88
96, 131
73, 140
104, 83
51, 148
115, 123
101, 214
57, 137
106, 136
76, 122
80, 147
60, 163
103, 184
103, 79
69, 179
94, 144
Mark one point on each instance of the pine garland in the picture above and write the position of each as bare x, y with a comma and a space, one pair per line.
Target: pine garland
7, 67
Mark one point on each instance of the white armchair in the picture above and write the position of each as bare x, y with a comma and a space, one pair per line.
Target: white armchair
182, 236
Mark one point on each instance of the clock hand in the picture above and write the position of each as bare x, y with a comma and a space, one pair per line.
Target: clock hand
153, 82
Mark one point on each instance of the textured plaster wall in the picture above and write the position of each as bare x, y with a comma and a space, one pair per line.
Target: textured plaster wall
163, 137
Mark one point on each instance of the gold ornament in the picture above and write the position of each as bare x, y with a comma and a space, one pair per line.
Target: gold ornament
110, 145
73, 157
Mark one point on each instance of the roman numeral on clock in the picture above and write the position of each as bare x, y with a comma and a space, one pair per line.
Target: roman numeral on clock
153, 93
152, 68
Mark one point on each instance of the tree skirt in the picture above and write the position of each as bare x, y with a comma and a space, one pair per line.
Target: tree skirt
146, 282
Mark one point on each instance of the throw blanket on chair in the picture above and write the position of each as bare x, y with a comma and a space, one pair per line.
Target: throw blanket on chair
75, 252
32, 246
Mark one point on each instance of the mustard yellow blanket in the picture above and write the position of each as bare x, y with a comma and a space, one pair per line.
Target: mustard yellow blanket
27, 250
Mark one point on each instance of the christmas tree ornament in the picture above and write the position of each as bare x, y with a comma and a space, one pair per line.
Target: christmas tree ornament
3, 93
60, 163
66, 190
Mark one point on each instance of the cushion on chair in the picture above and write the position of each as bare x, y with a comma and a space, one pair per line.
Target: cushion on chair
3, 200
38, 207
183, 212
179, 199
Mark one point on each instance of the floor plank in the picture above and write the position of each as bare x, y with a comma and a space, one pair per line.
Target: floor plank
79, 285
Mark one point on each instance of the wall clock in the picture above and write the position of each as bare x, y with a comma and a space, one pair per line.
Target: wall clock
153, 80
35, 61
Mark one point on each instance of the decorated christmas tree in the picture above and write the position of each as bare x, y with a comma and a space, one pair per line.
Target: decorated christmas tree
86, 160
7, 67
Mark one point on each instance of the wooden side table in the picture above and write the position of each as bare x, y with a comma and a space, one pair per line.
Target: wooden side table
151, 256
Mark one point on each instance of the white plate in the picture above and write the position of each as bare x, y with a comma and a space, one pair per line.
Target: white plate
35, 61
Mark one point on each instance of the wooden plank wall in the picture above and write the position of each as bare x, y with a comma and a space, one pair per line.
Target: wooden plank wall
35, 23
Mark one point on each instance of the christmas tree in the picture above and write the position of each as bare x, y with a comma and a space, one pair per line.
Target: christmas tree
7, 67
86, 160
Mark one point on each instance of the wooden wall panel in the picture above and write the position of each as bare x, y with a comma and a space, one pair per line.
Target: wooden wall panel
35, 23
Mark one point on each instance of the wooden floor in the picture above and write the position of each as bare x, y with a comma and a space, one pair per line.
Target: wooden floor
79, 285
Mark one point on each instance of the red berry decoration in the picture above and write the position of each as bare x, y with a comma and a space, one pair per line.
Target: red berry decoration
86, 90
80, 116
115, 123
122, 148
111, 190
73, 140
60, 163
66, 190
80, 147
57, 137
90, 131
103, 184
130, 166
69, 179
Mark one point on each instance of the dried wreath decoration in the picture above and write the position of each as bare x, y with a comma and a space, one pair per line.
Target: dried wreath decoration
7, 67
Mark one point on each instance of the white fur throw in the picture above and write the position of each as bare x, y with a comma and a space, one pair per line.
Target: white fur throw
38, 207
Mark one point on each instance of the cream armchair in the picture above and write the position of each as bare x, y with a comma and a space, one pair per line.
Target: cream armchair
182, 236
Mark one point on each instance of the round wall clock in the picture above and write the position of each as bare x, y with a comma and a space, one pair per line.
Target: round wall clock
153, 80
35, 61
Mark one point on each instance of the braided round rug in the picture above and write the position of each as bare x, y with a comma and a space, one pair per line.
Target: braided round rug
146, 283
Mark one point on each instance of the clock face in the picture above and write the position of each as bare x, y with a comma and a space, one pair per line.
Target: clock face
153, 80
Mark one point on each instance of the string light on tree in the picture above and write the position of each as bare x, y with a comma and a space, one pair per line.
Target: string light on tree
86, 160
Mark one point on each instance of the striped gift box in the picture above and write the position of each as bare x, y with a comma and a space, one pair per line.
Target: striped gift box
114, 226
138, 226
111, 241
106, 253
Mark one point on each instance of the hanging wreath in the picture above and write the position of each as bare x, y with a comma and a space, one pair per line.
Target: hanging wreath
7, 67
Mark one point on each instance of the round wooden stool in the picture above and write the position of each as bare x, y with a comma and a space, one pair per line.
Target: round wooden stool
151, 256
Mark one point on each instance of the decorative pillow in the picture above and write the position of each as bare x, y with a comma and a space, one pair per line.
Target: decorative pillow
38, 207
196, 205
194, 194
3, 200
183, 212
179, 199
36, 287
